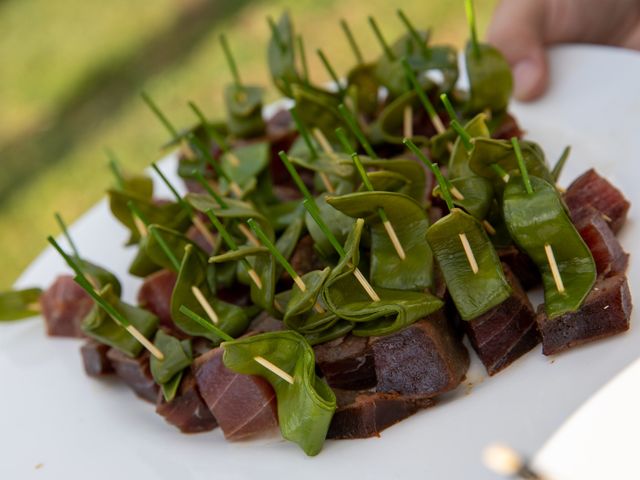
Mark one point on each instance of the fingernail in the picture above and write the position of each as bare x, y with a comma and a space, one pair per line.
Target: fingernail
526, 75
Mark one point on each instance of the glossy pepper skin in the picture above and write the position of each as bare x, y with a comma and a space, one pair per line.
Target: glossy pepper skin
472, 293
490, 79
540, 218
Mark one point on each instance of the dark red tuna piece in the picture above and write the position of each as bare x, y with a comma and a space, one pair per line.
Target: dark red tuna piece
507, 128
243, 405
196, 236
187, 410
304, 258
264, 323
592, 190
426, 358
522, 267
135, 372
506, 332
605, 312
64, 305
607, 252
155, 295
366, 414
347, 363
94, 358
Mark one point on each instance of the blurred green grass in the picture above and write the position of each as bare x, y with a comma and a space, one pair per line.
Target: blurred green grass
73, 72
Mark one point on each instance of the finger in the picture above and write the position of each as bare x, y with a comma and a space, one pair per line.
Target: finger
517, 30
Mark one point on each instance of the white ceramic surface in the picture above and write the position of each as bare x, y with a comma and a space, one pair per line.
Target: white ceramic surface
69, 426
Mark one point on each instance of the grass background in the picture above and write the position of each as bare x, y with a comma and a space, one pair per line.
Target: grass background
72, 73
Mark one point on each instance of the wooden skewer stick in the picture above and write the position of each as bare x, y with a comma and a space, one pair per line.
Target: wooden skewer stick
554, 268
227, 338
274, 369
457, 194
140, 226
407, 125
223, 205
82, 280
469, 252
323, 142
488, 227
206, 306
315, 214
505, 461
391, 233
234, 246
204, 231
281, 260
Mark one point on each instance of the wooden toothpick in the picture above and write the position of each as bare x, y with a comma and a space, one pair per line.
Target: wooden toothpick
555, 272
315, 214
407, 124
206, 306
469, 252
391, 233
224, 233
274, 369
281, 260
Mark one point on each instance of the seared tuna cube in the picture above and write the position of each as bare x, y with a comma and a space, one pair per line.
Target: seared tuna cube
605, 312
590, 189
64, 305
155, 295
347, 363
522, 267
94, 358
187, 410
607, 252
506, 332
136, 373
243, 405
366, 414
426, 359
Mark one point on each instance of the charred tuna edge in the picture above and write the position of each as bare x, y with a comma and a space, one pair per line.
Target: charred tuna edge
187, 411
506, 332
136, 373
605, 312
592, 190
364, 414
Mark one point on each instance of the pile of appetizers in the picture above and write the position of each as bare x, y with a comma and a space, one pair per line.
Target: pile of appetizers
327, 262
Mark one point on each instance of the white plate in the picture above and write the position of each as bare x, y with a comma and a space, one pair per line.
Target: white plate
71, 426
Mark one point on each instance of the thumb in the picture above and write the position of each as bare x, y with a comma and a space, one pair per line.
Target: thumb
517, 31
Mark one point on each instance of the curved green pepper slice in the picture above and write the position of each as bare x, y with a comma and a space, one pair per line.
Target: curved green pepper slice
477, 192
244, 110
177, 356
281, 55
490, 79
193, 273
306, 407
410, 222
459, 159
487, 152
19, 304
538, 219
98, 324
472, 293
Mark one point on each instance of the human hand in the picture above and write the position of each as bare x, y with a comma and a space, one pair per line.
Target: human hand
522, 29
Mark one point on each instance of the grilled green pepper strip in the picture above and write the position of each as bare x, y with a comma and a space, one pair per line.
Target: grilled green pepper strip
390, 122
301, 302
363, 88
99, 325
306, 407
539, 219
168, 372
19, 304
317, 108
472, 293
410, 222
395, 310
478, 195
459, 159
487, 152
193, 273
281, 55
244, 163
176, 243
